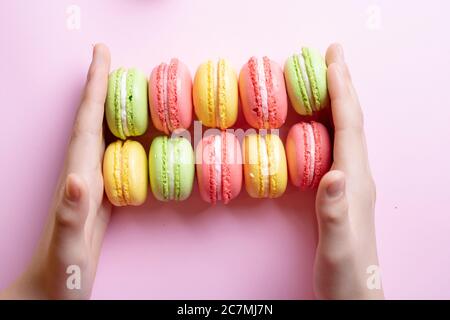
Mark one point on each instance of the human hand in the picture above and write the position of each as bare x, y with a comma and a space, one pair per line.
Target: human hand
80, 213
345, 202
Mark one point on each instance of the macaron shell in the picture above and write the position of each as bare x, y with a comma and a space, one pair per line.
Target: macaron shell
202, 168
110, 112
187, 168
319, 67
156, 168
316, 70
233, 160
112, 186
251, 160
205, 102
134, 168
277, 166
137, 172
155, 161
277, 169
295, 151
137, 101
293, 87
248, 99
183, 89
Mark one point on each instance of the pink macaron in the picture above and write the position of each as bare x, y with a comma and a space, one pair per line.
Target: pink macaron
219, 167
308, 150
263, 93
170, 96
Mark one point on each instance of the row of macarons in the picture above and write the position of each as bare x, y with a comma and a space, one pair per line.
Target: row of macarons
221, 162
171, 95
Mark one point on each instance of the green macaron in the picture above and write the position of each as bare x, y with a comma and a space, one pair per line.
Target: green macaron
306, 81
171, 168
126, 105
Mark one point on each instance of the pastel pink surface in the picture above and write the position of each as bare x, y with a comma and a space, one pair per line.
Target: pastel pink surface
181, 91
233, 161
246, 249
296, 149
278, 93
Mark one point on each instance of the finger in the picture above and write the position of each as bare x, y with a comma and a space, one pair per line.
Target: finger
68, 253
72, 211
90, 114
335, 54
332, 212
87, 136
350, 151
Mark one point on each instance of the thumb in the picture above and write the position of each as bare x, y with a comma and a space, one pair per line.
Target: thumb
332, 213
72, 211
67, 247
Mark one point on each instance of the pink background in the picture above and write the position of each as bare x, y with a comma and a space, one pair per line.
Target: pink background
398, 52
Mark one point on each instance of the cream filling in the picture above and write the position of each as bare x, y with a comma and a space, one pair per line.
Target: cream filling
218, 165
264, 162
312, 152
170, 168
302, 63
123, 103
166, 97
263, 88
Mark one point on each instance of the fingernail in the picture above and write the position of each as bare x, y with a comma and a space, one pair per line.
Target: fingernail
72, 190
336, 188
340, 51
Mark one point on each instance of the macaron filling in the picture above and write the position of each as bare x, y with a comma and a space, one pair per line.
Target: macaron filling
165, 104
217, 93
167, 95
170, 171
218, 169
265, 102
262, 87
123, 103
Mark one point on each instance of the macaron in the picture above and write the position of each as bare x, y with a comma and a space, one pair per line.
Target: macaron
125, 173
170, 96
126, 105
308, 149
265, 168
263, 93
306, 81
171, 168
215, 94
219, 167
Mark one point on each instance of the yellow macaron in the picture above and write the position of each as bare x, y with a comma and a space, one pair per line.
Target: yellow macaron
125, 173
215, 94
265, 168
